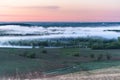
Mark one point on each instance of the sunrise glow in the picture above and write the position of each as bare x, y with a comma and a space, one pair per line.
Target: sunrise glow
60, 10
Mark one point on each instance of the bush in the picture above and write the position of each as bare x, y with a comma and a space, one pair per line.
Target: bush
76, 55
28, 55
92, 55
31, 55
100, 57
108, 56
44, 51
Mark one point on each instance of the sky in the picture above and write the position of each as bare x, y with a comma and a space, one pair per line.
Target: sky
60, 10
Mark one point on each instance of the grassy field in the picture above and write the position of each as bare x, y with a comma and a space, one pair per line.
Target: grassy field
54, 61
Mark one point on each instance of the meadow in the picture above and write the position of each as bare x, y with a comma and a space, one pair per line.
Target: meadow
40, 62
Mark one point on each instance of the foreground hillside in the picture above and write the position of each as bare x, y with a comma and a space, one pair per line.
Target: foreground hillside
54, 63
112, 73
102, 74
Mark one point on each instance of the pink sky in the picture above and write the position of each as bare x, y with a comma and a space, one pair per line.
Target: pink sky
60, 10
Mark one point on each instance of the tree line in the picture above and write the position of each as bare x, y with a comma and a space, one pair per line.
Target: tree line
93, 43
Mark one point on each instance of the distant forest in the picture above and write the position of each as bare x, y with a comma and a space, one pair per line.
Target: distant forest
93, 43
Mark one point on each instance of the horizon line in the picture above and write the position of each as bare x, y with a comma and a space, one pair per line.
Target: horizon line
62, 21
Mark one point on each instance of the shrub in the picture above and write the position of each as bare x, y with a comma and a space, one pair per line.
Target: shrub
108, 56
92, 55
44, 51
76, 55
28, 55
99, 57
31, 55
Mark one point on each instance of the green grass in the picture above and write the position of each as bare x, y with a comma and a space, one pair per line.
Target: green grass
59, 60
88, 51
87, 67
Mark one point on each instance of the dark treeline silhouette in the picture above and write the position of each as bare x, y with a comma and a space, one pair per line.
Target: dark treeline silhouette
62, 24
93, 43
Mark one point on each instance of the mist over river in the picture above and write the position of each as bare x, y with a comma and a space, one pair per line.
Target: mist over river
46, 30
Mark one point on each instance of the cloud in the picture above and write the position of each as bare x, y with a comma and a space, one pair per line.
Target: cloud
49, 7
5, 15
12, 15
41, 7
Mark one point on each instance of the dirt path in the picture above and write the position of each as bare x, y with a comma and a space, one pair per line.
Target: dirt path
115, 76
